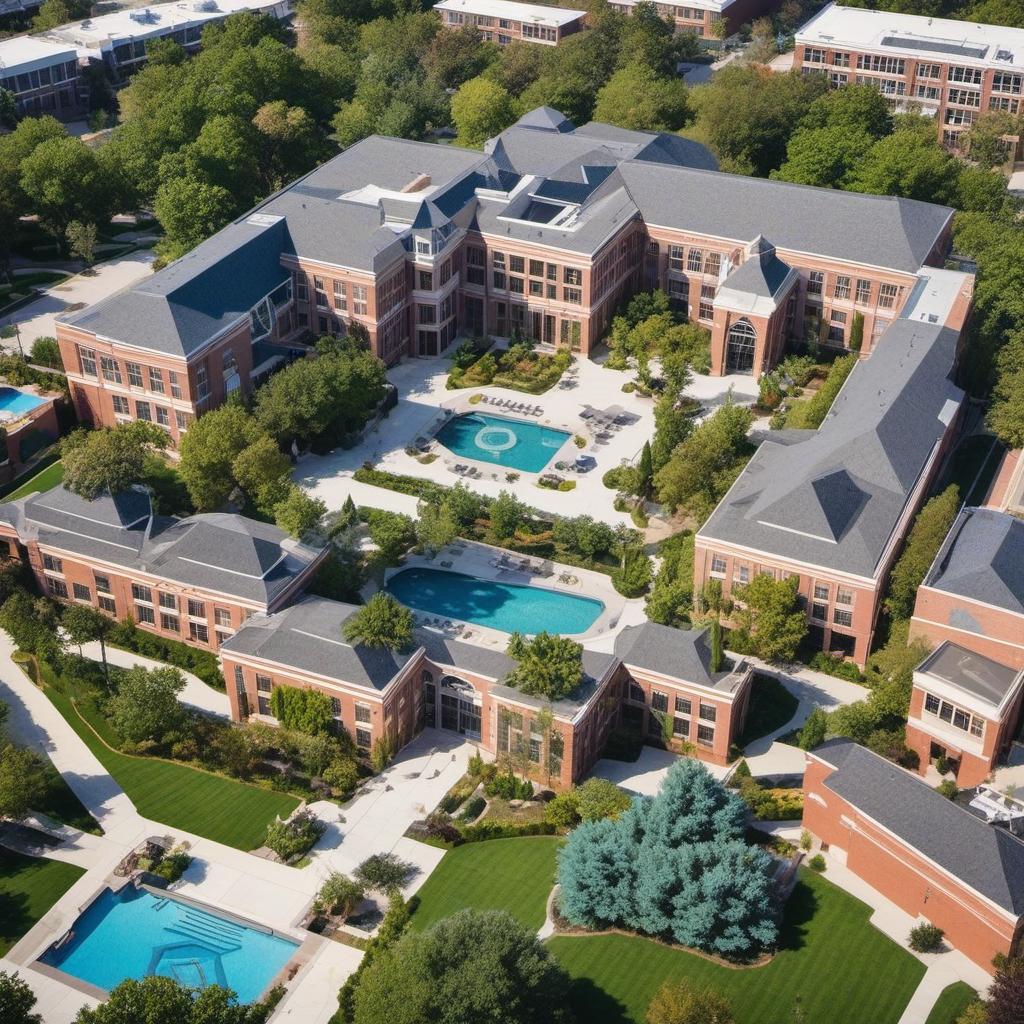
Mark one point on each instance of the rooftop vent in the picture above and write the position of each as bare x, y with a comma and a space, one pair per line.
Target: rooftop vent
204, 5
418, 184
1004, 55
143, 17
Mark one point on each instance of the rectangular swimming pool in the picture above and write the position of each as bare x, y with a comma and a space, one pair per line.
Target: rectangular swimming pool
514, 444
510, 607
16, 402
134, 933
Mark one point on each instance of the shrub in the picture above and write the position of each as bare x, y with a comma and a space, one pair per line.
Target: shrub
438, 825
942, 764
817, 863
475, 767
174, 864
564, 810
451, 802
948, 788
806, 840
385, 871
292, 838
381, 753
472, 809
925, 938
342, 776
837, 667
339, 895
684, 1002
810, 414
203, 664
509, 787
485, 830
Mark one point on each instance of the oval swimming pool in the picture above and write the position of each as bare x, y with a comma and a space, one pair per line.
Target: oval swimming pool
514, 444
510, 607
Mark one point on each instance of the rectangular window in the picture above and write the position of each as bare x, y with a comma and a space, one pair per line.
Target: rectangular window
946, 711
536, 268
886, 65
573, 295
713, 263
695, 260
198, 632
961, 719
842, 617
515, 284
537, 288
108, 604
140, 592
821, 591
965, 97
197, 609
706, 735
967, 76
815, 282
931, 704
840, 59
82, 592
143, 613
683, 706
363, 712
718, 565
336, 707
363, 738
659, 700
552, 272
1004, 103
977, 726
535, 745
819, 612
929, 71
134, 374
320, 293
169, 601
424, 281
812, 55
359, 299
87, 361
675, 257
516, 265
181, 421
572, 275
156, 380
863, 291
844, 596
741, 573
680, 727
172, 378
143, 411
222, 617
57, 588
1003, 81
53, 564
426, 314
498, 260
263, 703
841, 290
636, 693
706, 308
887, 295
264, 684
498, 280
708, 712
202, 382
102, 584
163, 417
111, 371
170, 622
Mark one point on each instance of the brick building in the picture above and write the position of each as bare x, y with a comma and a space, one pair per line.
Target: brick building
931, 857
702, 17
458, 686
973, 594
832, 506
42, 75
954, 71
966, 708
543, 235
196, 580
507, 21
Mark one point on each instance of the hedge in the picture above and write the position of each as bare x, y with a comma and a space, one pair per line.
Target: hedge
200, 663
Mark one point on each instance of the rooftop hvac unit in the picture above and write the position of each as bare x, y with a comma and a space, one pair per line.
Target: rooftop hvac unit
1004, 55
204, 5
143, 17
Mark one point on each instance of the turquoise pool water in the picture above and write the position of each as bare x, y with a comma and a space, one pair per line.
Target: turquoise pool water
514, 444
18, 402
132, 933
509, 607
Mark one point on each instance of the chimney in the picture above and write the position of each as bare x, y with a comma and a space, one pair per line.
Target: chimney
420, 182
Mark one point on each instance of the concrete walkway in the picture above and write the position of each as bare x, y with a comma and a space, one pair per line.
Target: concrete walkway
37, 319
197, 694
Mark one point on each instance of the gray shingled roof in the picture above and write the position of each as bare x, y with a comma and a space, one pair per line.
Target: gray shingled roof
850, 226
762, 273
684, 654
834, 497
990, 860
982, 559
228, 554
973, 673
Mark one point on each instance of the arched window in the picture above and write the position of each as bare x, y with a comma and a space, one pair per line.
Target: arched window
740, 345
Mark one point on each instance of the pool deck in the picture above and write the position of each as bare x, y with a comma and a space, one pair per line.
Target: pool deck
484, 562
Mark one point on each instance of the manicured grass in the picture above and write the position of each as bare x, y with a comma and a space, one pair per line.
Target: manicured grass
771, 707
229, 812
44, 481
29, 886
842, 969
952, 1001
501, 874
62, 805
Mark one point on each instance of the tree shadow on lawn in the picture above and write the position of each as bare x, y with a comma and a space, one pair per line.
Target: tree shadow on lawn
589, 1002
15, 918
797, 914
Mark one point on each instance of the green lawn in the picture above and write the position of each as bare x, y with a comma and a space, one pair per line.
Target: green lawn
229, 812
501, 874
843, 970
771, 707
29, 886
44, 481
952, 1001
62, 804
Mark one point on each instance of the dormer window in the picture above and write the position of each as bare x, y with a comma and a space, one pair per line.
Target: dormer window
423, 247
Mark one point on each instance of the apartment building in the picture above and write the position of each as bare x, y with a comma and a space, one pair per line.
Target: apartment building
458, 686
506, 21
953, 71
119, 39
704, 18
196, 580
933, 858
973, 594
42, 76
964, 707
831, 506
543, 236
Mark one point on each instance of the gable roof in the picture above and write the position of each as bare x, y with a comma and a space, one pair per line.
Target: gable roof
834, 496
982, 559
987, 859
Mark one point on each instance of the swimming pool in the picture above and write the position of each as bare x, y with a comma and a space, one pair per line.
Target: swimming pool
18, 402
134, 933
514, 444
510, 607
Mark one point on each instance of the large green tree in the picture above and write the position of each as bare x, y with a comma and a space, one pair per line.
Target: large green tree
17, 1000
636, 97
472, 966
145, 705
209, 450
23, 782
381, 622
771, 616
547, 666
481, 109
109, 460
